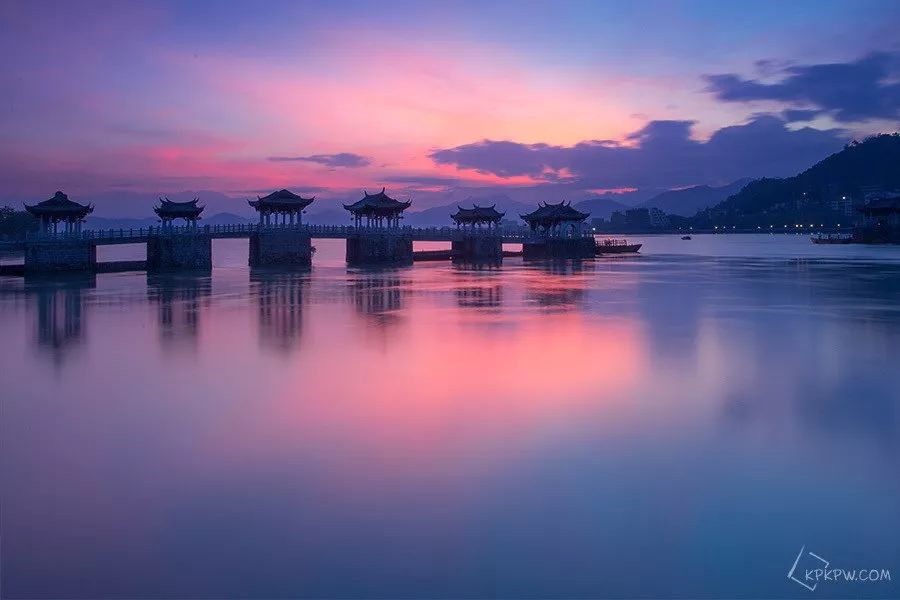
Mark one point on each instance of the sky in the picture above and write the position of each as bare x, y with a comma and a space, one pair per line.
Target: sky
333, 98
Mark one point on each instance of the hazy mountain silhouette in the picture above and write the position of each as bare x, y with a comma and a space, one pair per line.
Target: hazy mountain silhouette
139, 205
440, 215
93, 222
688, 201
601, 208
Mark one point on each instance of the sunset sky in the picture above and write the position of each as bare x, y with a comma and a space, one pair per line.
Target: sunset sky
243, 97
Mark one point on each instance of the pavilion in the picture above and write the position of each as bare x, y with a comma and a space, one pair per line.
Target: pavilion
379, 210
168, 211
477, 216
284, 204
60, 209
556, 220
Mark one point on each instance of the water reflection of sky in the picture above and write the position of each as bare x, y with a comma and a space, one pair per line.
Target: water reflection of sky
656, 426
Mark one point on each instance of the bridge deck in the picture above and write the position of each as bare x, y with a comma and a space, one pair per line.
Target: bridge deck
104, 237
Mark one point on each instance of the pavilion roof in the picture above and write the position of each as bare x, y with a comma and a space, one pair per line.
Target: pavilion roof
188, 210
555, 212
380, 203
477, 213
60, 206
281, 200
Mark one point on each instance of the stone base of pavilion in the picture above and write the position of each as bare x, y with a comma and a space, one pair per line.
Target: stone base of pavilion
379, 249
55, 255
579, 247
280, 248
181, 252
476, 248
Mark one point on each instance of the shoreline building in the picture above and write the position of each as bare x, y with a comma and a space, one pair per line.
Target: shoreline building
59, 209
658, 219
378, 210
168, 211
282, 205
880, 219
477, 216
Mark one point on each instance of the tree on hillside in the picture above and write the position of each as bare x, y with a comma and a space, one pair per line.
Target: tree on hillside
16, 223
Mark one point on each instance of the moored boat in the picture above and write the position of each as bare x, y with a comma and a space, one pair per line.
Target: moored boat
685, 237
832, 238
612, 246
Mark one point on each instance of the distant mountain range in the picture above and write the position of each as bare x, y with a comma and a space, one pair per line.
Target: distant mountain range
686, 202
126, 223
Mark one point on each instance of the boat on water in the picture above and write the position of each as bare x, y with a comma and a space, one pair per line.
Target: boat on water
613, 246
685, 237
832, 238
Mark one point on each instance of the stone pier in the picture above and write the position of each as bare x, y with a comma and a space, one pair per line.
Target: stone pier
182, 251
379, 248
280, 248
54, 255
478, 248
580, 247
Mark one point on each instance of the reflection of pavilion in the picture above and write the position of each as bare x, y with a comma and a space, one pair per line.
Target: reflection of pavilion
485, 264
477, 290
179, 299
378, 294
565, 266
280, 296
60, 312
480, 296
565, 291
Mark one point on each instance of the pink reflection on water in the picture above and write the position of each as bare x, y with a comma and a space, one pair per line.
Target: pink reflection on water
446, 379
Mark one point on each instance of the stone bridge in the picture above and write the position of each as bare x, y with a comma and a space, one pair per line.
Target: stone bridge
190, 247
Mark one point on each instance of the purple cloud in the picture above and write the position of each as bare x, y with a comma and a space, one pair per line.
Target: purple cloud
424, 180
342, 159
855, 91
661, 155
793, 115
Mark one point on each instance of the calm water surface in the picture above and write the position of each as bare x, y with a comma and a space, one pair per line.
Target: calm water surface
675, 424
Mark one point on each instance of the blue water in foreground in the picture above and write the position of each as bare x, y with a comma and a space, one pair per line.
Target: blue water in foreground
675, 424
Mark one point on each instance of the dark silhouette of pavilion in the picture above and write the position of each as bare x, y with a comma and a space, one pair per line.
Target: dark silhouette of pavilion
555, 220
168, 211
282, 204
59, 209
477, 216
379, 210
